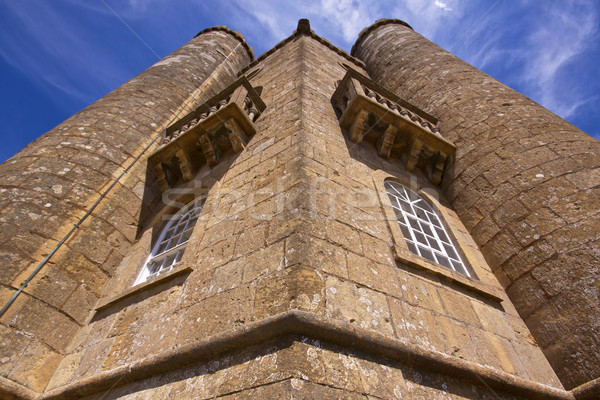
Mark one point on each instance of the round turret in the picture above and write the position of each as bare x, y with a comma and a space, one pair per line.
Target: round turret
524, 182
50, 185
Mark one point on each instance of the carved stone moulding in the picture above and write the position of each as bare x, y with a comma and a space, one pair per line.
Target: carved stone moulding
218, 127
370, 113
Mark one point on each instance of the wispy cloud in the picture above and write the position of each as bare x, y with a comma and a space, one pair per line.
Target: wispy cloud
350, 15
430, 18
535, 55
555, 43
339, 21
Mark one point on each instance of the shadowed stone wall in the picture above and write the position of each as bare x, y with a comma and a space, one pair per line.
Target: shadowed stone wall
524, 182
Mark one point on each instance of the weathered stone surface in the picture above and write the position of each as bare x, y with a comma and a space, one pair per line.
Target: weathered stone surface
294, 243
523, 169
366, 308
294, 288
74, 162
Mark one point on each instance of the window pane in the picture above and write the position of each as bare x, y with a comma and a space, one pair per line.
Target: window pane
405, 230
421, 214
444, 261
459, 267
420, 238
398, 214
426, 253
451, 252
412, 247
414, 224
433, 243
154, 266
442, 235
406, 207
186, 235
427, 229
434, 220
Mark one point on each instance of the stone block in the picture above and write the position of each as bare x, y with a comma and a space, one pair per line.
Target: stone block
12, 346
535, 295
156, 336
35, 366
52, 286
456, 338
250, 240
344, 235
377, 250
297, 287
373, 275
366, 308
419, 292
221, 312
305, 250
41, 321
263, 262
65, 370
217, 254
79, 304
108, 354
416, 325
459, 306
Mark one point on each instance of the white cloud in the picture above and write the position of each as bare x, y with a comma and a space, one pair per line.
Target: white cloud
442, 5
351, 15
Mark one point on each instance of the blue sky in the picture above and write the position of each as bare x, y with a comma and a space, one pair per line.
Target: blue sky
58, 56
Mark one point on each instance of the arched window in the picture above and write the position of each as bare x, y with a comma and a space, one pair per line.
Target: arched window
172, 241
424, 233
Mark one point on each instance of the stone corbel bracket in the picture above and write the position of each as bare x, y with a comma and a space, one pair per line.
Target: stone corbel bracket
222, 125
368, 112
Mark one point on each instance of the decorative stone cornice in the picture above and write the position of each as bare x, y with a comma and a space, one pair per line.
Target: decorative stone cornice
306, 324
369, 112
223, 124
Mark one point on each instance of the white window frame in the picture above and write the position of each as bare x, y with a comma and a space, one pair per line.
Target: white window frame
422, 228
171, 244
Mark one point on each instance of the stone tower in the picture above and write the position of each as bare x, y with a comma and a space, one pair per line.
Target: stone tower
310, 224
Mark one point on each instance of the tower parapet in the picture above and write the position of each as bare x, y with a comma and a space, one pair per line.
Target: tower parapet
523, 181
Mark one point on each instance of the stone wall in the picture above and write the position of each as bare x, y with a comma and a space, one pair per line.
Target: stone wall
524, 182
293, 254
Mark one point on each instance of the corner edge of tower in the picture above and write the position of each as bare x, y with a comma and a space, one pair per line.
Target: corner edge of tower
233, 33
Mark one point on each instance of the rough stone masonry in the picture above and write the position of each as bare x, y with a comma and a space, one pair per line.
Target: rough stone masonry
297, 280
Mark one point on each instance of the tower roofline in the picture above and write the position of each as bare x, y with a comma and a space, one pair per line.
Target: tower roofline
375, 25
304, 29
233, 33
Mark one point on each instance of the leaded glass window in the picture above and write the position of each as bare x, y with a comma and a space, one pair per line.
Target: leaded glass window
171, 243
424, 233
